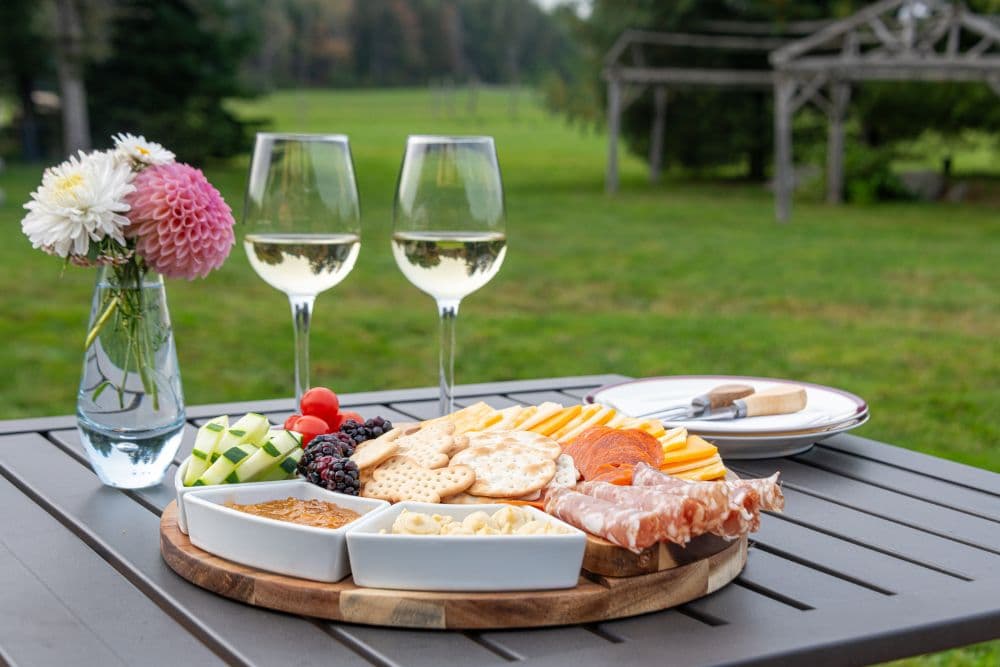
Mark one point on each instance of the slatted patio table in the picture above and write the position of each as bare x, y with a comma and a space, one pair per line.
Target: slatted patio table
881, 553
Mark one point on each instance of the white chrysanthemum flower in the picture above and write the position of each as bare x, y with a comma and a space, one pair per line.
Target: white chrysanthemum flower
79, 201
132, 148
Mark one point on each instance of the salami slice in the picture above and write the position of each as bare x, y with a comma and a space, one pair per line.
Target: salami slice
627, 527
743, 515
681, 518
769, 490
714, 496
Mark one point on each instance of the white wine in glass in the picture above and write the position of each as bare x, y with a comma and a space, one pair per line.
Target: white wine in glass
449, 235
302, 224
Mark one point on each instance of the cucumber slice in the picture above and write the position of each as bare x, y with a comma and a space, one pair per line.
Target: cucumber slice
222, 470
251, 427
284, 469
278, 445
204, 446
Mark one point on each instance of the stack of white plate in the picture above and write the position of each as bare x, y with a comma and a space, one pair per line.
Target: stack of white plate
828, 411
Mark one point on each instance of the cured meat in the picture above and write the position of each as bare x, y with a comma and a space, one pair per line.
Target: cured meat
633, 529
601, 446
681, 517
714, 496
769, 490
743, 515
615, 473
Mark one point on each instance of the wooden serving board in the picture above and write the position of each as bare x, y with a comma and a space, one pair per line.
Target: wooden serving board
596, 597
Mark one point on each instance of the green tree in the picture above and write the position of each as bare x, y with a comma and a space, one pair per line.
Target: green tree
172, 64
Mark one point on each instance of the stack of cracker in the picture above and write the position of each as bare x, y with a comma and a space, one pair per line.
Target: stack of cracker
433, 462
684, 455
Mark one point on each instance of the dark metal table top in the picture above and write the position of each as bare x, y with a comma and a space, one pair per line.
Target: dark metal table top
881, 553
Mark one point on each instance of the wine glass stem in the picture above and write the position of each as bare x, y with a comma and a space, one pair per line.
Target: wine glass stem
302, 306
448, 310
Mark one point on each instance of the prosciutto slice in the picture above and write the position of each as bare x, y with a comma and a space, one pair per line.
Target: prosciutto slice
681, 518
633, 529
769, 490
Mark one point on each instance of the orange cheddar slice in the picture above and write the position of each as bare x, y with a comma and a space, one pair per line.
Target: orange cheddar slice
541, 414
695, 448
676, 468
706, 473
585, 414
557, 421
598, 418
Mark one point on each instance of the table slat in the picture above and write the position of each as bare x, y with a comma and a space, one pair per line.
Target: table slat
843, 559
933, 490
416, 648
126, 535
907, 459
890, 505
89, 598
910, 543
798, 582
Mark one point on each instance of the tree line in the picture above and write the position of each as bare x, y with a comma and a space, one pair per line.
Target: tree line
80, 68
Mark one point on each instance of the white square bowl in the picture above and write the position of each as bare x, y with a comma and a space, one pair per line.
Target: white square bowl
181, 491
462, 562
307, 552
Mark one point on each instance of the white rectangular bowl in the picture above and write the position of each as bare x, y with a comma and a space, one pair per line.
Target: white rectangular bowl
307, 552
462, 562
181, 491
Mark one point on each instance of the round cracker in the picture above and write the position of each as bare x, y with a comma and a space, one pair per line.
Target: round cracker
506, 471
545, 445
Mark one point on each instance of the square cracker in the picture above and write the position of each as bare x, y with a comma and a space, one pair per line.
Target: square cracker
401, 478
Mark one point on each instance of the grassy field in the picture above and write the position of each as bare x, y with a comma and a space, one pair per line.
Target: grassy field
899, 303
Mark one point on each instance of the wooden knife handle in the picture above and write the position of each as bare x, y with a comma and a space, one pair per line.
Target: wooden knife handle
725, 394
778, 400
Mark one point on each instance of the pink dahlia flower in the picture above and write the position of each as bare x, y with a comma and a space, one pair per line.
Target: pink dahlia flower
182, 225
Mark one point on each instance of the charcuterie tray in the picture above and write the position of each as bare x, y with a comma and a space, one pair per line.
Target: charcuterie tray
659, 578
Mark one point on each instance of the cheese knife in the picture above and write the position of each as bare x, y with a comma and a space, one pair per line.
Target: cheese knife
778, 400
718, 397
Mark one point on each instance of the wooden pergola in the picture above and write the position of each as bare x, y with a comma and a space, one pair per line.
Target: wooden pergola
891, 40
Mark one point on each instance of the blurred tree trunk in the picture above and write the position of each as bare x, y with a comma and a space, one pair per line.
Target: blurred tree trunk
69, 65
31, 149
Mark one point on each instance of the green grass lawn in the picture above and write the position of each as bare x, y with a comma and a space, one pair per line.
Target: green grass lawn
899, 303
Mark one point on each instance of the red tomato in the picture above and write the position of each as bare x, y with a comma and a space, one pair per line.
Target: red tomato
290, 422
320, 402
337, 422
350, 414
310, 426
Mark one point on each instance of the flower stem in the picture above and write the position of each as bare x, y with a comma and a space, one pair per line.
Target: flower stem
101, 321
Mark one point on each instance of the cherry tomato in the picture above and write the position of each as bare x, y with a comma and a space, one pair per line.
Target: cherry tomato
350, 414
290, 422
320, 402
337, 422
310, 426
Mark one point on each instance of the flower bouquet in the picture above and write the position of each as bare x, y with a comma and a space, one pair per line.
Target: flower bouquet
137, 215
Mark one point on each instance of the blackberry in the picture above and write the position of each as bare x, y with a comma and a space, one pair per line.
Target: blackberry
336, 445
371, 429
340, 475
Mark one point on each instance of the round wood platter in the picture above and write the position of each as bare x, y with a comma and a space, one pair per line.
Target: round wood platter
673, 581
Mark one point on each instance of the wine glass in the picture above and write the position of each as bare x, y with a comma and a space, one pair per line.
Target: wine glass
302, 223
448, 228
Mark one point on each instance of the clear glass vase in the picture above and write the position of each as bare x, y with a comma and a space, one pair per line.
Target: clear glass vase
130, 407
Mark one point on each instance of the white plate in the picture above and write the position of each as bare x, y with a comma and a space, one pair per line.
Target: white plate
288, 548
765, 447
181, 491
825, 406
462, 562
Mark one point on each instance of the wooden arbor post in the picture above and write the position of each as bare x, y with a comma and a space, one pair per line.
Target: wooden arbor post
614, 125
656, 137
840, 95
784, 89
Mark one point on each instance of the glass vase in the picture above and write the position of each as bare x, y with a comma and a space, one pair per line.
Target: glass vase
130, 407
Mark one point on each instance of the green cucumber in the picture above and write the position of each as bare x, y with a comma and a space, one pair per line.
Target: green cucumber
251, 427
284, 469
277, 446
222, 471
204, 445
